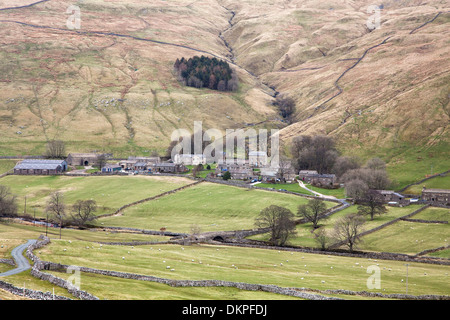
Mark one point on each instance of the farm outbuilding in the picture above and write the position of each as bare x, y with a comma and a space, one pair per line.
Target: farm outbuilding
40, 167
83, 159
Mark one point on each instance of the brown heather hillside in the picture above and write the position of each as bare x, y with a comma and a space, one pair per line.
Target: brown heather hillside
110, 86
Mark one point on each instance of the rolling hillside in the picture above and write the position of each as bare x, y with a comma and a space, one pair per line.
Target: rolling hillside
110, 85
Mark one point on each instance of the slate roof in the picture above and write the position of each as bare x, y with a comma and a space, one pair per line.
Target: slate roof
35, 164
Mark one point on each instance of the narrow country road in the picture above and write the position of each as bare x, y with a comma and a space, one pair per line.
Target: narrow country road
21, 262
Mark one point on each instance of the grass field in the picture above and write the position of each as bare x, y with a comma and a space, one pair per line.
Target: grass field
440, 182
212, 207
110, 193
305, 237
294, 187
6, 165
286, 269
412, 237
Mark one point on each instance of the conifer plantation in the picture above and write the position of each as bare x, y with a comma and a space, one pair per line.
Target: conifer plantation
204, 72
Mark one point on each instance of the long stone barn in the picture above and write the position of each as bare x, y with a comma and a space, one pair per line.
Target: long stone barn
40, 167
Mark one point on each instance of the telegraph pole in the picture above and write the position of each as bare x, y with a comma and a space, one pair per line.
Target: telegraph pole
407, 278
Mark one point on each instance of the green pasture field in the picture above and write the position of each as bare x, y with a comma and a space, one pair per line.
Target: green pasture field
413, 237
305, 237
212, 207
6, 165
292, 187
250, 265
110, 192
434, 183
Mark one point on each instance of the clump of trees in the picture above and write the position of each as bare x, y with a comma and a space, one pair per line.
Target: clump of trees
320, 153
359, 181
286, 107
204, 72
81, 212
314, 153
55, 149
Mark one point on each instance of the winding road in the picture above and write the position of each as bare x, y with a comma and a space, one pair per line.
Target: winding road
21, 262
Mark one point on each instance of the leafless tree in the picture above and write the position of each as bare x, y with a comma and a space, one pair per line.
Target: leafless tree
348, 230
344, 164
285, 166
57, 208
321, 237
374, 178
102, 160
376, 164
55, 149
286, 106
314, 153
356, 189
279, 221
371, 205
83, 211
8, 205
313, 211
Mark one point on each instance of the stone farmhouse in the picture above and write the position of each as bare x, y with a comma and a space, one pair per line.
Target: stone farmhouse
40, 167
436, 196
168, 167
387, 196
314, 178
237, 171
139, 163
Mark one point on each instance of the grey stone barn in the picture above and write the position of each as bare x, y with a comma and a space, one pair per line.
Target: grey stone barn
168, 167
436, 196
83, 159
40, 167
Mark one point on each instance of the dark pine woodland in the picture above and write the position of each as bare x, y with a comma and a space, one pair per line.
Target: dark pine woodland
204, 72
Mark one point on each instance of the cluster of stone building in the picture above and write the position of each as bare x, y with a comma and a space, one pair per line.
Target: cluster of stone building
53, 167
255, 168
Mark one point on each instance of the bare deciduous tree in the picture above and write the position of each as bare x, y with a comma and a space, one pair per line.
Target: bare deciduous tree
57, 208
376, 163
356, 189
55, 149
279, 221
313, 211
348, 230
322, 238
314, 153
344, 164
286, 106
8, 205
370, 205
83, 212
